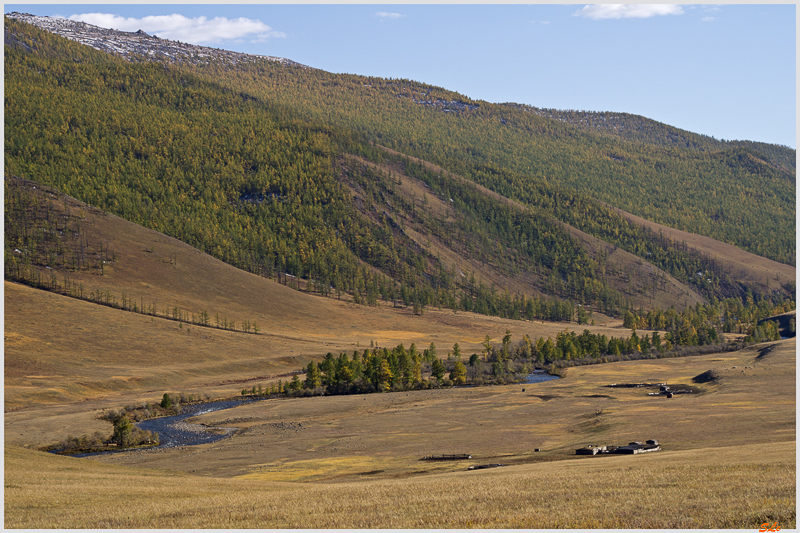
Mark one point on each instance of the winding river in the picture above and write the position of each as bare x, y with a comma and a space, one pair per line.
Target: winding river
174, 431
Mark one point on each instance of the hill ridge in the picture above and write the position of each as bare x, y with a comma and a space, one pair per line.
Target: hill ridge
138, 46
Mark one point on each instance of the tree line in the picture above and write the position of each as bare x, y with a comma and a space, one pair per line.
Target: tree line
398, 369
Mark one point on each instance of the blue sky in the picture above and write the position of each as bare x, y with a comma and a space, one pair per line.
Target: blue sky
723, 70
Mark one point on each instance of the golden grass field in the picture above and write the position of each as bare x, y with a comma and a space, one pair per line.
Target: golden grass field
731, 487
728, 456
728, 461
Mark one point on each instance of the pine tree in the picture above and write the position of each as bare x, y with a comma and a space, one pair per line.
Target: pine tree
459, 373
313, 376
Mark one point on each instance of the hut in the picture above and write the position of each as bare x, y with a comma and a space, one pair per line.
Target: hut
638, 447
591, 450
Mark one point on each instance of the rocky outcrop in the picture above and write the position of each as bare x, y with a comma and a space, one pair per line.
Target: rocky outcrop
139, 46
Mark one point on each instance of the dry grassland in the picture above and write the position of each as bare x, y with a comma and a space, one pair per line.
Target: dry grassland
735, 487
353, 461
61, 350
325, 439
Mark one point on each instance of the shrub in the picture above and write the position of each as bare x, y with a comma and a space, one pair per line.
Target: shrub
123, 427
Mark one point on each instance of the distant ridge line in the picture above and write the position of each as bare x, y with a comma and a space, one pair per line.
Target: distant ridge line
129, 45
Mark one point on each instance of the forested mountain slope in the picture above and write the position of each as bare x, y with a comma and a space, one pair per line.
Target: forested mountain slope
245, 181
235, 166
734, 191
640, 129
731, 194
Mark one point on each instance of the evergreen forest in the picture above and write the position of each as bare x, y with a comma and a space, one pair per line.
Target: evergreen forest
289, 173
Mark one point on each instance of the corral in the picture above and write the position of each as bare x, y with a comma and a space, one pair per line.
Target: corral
445, 457
482, 467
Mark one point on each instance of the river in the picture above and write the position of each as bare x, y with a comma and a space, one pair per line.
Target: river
173, 431
538, 376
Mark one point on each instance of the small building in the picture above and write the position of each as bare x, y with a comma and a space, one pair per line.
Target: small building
638, 447
481, 467
591, 450
631, 448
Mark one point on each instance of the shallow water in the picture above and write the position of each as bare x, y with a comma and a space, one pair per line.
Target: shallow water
173, 431
539, 376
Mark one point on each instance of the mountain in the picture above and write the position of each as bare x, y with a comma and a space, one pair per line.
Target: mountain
380, 189
126, 317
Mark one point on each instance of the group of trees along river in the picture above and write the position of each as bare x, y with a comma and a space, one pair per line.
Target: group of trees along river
383, 369
260, 164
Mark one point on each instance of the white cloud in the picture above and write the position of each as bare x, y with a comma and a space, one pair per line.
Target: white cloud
707, 19
198, 30
383, 15
627, 11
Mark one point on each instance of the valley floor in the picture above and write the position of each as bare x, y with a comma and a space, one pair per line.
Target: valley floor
728, 458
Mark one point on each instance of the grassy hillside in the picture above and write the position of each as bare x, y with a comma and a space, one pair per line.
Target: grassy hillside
763, 274
439, 220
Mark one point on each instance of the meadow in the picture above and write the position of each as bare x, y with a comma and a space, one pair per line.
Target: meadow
728, 458
733, 487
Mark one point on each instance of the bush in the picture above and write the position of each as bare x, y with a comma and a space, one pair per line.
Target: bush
123, 428
126, 434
